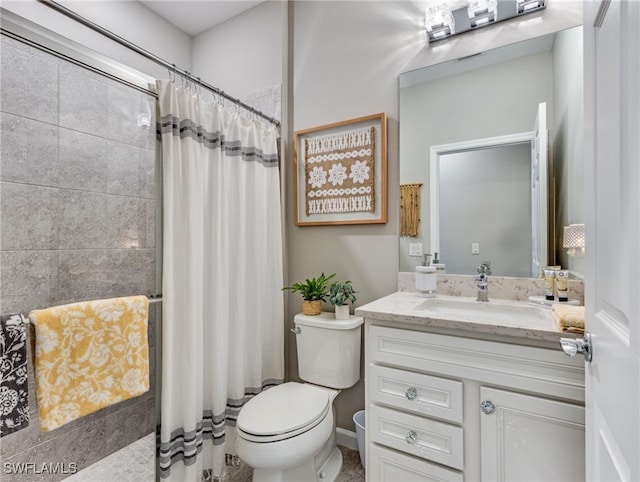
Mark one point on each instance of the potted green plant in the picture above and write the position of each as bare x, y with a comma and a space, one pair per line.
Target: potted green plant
314, 291
340, 294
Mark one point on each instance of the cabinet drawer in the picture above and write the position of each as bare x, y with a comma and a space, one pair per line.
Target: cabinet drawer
416, 392
533, 369
390, 466
418, 436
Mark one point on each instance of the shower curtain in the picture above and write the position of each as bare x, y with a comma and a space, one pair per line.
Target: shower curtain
223, 307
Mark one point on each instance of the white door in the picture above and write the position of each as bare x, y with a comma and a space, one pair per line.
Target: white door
539, 210
612, 264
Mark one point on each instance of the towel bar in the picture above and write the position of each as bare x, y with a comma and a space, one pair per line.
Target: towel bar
153, 299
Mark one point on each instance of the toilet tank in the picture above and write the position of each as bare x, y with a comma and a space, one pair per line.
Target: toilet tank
328, 349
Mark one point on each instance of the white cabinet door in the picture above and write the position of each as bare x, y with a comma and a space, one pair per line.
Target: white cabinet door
527, 438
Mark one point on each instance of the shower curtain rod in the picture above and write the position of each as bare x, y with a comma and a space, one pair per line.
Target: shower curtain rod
145, 53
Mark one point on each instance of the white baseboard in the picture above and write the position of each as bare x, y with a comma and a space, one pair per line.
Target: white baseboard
346, 438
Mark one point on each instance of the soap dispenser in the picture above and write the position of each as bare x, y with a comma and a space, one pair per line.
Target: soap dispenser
426, 280
440, 267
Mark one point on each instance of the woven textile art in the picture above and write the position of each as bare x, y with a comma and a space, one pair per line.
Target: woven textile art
339, 173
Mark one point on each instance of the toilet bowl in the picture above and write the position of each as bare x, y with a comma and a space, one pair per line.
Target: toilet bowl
285, 433
288, 433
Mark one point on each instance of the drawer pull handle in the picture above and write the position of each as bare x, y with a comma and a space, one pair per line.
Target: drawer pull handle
411, 393
487, 407
411, 437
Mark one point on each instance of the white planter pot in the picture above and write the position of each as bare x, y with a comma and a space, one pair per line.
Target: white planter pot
342, 312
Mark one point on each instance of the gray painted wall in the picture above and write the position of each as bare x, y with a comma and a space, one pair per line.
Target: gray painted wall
243, 54
568, 139
77, 203
485, 198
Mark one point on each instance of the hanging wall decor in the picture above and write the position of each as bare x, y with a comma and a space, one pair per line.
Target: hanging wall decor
341, 172
409, 209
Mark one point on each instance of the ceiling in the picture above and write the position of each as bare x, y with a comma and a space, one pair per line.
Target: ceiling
194, 17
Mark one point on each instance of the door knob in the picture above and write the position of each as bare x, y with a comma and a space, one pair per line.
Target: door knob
573, 346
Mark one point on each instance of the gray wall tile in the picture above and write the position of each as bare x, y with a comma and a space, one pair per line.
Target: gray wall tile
123, 169
14, 43
29, 85
83, 219
28, 150
147, 173
28, 216
83, 100
29, 280
136, 269
149, 232
124, 110
130, 424
82, 162
60, 227
86, 275
82, 446
126, 222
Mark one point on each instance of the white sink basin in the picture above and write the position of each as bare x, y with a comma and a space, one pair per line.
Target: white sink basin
493, 312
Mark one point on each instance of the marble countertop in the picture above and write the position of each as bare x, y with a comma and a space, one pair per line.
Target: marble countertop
410, 309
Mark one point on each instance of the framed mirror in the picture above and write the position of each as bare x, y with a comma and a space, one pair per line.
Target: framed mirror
470, 135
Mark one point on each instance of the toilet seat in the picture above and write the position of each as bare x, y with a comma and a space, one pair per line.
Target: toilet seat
283, 412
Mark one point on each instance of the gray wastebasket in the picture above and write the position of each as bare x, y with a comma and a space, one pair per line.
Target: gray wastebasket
358, 419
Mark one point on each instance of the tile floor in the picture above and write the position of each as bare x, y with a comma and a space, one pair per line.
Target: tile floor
352, 470
136, 463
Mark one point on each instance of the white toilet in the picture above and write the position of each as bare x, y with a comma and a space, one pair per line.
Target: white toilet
287, 433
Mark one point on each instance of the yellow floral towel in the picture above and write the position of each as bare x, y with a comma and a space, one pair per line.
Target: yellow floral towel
570, 318
88, 356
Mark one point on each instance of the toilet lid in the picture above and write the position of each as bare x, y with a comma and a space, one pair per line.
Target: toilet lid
282, 409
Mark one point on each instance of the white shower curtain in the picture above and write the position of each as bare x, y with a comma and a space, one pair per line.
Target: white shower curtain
223, 307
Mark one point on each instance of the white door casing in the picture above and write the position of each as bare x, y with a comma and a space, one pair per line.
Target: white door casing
539, 190
612, 223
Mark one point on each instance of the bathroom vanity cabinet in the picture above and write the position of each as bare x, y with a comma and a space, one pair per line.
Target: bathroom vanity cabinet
459, 405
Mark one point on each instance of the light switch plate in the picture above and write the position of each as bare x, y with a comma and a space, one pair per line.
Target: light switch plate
475, 248
415, 249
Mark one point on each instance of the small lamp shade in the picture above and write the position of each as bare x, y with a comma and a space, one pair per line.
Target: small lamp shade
573, 239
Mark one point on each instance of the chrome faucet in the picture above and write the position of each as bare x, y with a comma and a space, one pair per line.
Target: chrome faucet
482, 281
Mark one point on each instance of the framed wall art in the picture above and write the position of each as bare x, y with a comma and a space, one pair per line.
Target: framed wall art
341, 172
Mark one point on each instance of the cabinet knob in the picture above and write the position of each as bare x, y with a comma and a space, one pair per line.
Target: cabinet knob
411, 393
487, 406
411, 437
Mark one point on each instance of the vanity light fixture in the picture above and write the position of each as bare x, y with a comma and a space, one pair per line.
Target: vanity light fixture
526, 6
482, 12
442, 21
573, 239
439, 22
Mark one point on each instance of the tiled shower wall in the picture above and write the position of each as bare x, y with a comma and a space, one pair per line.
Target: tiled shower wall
77, 222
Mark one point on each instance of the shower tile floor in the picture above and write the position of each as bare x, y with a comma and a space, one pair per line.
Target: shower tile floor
136, 463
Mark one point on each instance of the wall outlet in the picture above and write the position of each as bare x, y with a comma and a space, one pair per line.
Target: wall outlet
415, 249
475, 248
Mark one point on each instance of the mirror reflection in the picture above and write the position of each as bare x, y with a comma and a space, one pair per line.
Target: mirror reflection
478, 203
